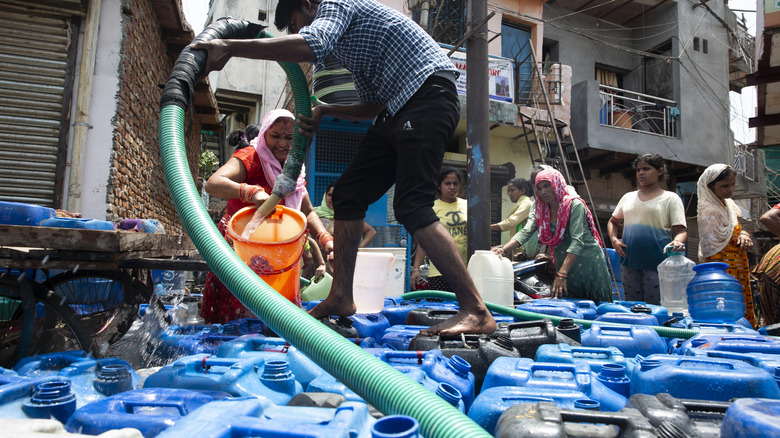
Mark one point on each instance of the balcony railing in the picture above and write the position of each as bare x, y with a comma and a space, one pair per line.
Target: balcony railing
634, 111
529, 86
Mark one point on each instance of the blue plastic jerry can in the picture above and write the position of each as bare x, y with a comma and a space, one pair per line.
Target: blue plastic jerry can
251, 377
596, 357
492, 402
150, 410
399, 336
259, 417
249, 346
703, 378
16, 398
508, 371
751, 417
634, 340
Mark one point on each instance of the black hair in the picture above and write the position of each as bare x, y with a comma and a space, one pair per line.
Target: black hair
236, 138
284, 10
534, 171
725, 173
251, 131
331, 185
522, 184
446, 171
654, 160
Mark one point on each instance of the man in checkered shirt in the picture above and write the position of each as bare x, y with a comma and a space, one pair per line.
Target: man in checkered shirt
407, 86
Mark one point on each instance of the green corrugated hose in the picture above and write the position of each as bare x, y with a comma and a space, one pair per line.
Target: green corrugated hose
378, 383
666, 332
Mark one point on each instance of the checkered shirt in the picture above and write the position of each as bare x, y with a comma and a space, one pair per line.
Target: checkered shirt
388, 54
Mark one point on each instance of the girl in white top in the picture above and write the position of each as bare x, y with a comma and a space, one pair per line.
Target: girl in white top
653, 219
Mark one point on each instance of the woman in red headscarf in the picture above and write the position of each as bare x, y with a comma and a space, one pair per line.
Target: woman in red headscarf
566, 225
247, 180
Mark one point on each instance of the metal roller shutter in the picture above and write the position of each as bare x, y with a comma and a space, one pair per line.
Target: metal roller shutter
34, 103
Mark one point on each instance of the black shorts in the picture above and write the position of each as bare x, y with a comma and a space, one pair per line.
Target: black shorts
406, 149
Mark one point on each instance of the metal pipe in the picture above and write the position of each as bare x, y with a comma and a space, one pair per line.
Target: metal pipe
424, 8
478, 131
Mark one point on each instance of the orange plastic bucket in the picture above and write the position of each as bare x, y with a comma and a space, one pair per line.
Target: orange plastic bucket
275, 248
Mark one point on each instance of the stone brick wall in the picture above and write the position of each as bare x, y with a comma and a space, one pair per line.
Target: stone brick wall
137, 186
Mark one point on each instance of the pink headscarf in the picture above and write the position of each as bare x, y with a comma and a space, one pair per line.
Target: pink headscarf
564, 197
271, 166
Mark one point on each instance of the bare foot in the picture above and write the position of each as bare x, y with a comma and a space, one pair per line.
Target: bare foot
333, 306
463, 322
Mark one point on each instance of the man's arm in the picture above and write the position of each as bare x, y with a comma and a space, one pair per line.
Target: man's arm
288, 48
771, 220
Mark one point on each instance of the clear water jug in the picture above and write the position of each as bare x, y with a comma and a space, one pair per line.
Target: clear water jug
714, 295
674, 274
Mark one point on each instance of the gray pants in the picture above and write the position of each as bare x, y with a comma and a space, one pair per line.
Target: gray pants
640, 285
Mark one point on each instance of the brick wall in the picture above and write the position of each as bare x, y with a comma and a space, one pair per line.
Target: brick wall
137, 186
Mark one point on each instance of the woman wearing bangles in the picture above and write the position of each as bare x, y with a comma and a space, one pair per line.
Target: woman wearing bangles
566, 225
721, 237
246, 180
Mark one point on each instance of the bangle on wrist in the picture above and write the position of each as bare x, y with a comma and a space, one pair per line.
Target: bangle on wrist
415, 269
559, 275
324, 237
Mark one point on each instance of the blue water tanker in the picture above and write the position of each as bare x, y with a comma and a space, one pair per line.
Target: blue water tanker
750, 418
396, 312
492, 402
631, 341
395, 426
399, 336
737, 343
17, 213
150, 410
85, 224
16, 397
629, 318
243, 326
260, 417
596, 357
183, 340
714, 327
94, 380
768, 362
251, 377
370, 325
614, 377
661, 313
714, 295
454, 370
587, 308
505, 371
560, 308
51, 400
249, 346
702, 378
50, 363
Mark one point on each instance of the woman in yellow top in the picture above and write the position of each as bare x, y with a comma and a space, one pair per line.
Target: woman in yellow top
451, 211
721, 237
519, 191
